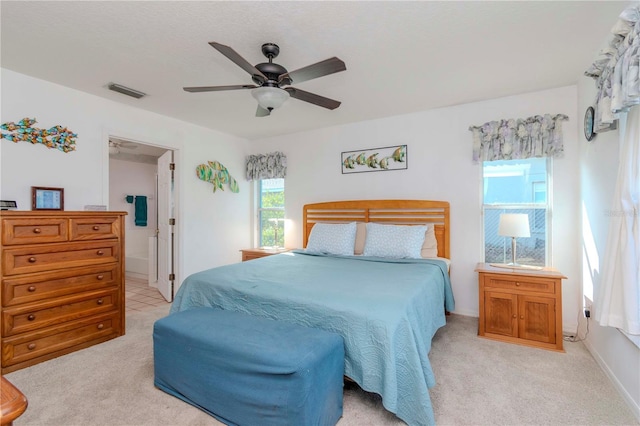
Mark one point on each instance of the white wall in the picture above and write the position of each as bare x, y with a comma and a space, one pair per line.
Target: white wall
132, 178
616, 354
439, 168
211, 227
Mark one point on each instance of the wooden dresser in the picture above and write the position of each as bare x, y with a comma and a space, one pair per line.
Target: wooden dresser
521, 306
62, 283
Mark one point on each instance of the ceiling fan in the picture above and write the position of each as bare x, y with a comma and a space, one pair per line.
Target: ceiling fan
269, 79
116, 145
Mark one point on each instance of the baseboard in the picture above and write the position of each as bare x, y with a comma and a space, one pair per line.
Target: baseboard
466, 313
635, 408
570, 330
136, 275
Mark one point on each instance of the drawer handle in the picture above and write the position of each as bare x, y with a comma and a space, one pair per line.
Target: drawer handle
31, 288
31, 346
100, 326
37, 230
517, 284
96, 228
514, 316
100, 252
521, 316
100, 302
32, 260
31, 317
100, 277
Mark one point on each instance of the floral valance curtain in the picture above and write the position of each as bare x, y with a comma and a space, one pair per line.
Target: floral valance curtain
616, 71
266, 166
537, 136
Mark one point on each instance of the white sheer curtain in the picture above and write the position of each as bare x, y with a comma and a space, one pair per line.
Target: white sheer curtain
618, 299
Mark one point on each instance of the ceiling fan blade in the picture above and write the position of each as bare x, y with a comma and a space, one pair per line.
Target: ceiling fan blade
238, 60
313, 98
218, 88
320, 69
262, 112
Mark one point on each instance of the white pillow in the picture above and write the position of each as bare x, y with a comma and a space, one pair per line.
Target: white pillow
332, 238
394, 241
430, 245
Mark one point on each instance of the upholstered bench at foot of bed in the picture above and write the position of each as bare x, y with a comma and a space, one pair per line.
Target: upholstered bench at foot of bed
248, 370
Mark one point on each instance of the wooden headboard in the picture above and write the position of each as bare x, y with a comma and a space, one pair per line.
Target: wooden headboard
393, 212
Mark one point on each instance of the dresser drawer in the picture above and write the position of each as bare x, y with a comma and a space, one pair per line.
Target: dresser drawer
540, 285
31, 288
31, 317
24, 260
62, 339
94, 228
33, 231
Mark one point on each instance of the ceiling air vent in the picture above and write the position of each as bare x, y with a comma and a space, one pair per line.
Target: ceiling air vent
126, 91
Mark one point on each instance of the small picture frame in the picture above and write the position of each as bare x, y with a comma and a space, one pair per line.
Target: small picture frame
8, 204
44, 198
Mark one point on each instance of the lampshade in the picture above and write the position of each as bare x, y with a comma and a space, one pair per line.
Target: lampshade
514, 225
270, 97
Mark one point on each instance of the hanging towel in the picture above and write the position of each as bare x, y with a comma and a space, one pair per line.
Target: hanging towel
129, 199
141, 210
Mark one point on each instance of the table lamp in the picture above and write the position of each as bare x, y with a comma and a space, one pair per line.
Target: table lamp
514, 225
275, 229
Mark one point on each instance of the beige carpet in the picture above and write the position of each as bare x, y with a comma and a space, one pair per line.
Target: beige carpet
480, 382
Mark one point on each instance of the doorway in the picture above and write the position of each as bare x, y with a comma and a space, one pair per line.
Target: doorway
139, 187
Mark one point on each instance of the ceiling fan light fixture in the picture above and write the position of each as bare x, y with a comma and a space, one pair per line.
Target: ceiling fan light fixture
270, 97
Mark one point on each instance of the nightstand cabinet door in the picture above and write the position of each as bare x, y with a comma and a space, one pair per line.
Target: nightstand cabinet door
537, 318
500, 313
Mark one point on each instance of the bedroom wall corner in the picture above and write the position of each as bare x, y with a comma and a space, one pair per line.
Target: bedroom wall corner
616, 354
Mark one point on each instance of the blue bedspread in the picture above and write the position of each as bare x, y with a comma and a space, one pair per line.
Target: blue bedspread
386, 310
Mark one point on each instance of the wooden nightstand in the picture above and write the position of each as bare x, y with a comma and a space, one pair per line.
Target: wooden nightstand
521, 306
256, 253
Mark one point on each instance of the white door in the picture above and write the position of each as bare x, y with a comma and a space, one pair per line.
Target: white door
165, 225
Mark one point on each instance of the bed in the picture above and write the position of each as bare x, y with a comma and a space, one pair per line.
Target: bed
386, 309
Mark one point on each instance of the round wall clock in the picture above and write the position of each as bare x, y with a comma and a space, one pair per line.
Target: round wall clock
588, 124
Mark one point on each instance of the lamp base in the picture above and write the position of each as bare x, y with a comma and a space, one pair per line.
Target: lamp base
516, 266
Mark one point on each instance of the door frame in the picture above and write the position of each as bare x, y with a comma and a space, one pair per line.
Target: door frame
178, 229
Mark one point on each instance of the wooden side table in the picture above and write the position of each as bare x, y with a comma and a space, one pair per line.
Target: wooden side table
521, 306
12, 402
256, 253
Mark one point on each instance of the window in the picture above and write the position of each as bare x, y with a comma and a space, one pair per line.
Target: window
516, 186
270, 213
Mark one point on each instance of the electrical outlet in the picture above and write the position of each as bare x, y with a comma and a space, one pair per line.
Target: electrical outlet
587, 312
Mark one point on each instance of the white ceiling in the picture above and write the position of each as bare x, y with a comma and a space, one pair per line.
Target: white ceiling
401, 57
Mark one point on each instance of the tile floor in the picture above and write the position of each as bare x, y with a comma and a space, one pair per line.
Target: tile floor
140, 297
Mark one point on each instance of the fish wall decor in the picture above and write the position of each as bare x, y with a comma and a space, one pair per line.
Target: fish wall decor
57, 137
377, 159
218, 175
